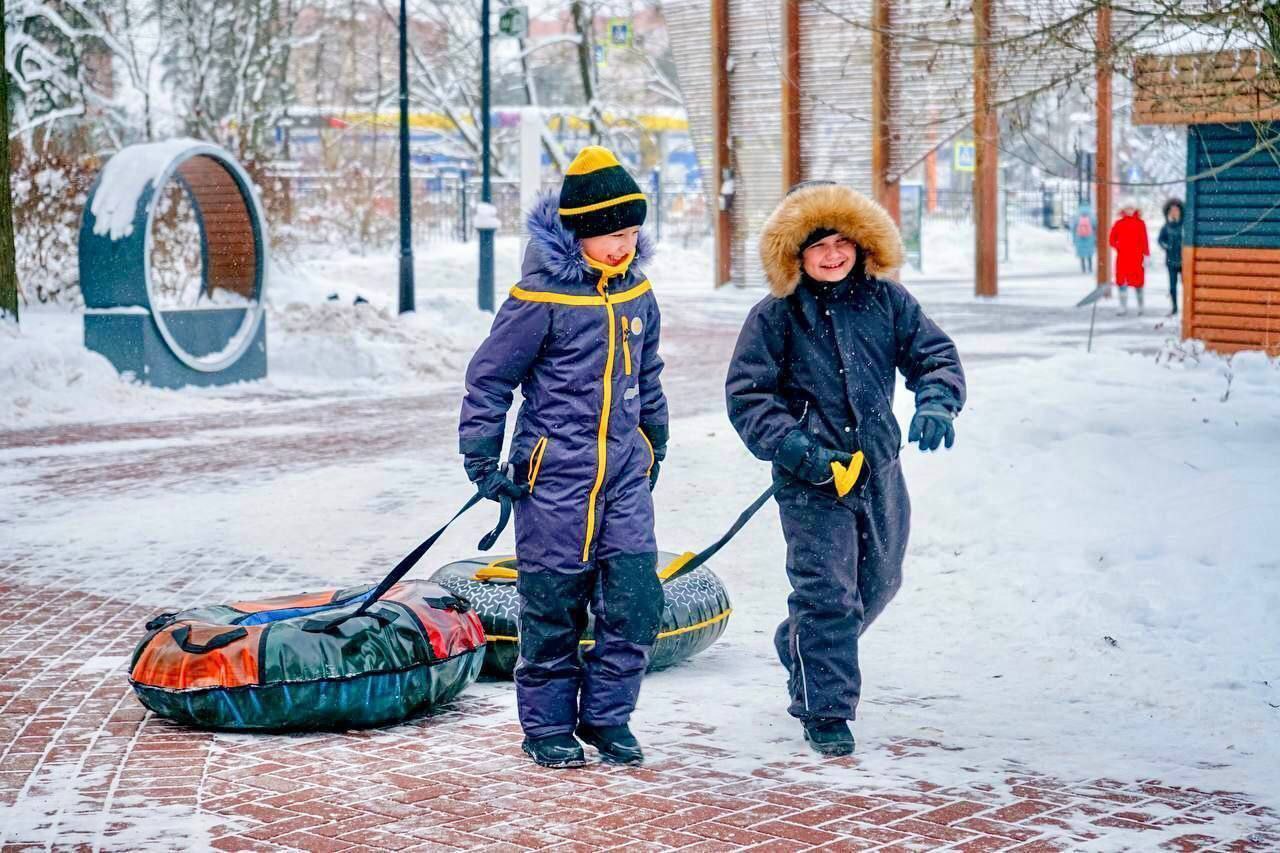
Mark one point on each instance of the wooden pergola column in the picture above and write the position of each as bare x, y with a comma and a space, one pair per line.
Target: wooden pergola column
722, 153
792, 165
986, 136
885, 191
1102, 155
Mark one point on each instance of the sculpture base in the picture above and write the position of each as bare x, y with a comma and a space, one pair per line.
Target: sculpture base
128, 337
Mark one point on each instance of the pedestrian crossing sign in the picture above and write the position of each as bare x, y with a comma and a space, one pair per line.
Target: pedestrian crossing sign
620, 32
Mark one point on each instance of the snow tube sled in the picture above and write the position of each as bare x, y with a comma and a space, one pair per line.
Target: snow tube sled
295, 663
694, 616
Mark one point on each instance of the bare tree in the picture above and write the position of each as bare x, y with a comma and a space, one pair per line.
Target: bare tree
228, 66
8, 268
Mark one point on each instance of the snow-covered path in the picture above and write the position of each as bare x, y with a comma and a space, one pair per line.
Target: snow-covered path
1091, 585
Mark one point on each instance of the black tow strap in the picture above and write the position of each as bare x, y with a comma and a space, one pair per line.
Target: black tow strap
411, 559
710, 551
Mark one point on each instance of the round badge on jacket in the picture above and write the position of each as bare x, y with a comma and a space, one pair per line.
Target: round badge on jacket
636, 326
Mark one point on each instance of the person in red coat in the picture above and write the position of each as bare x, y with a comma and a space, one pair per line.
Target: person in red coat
1129, 239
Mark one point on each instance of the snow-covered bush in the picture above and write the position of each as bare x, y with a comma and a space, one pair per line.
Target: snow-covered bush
50, 186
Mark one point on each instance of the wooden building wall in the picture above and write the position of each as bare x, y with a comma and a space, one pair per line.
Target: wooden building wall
1231, 237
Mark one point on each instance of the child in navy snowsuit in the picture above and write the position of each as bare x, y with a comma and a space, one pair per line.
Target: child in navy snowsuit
579, 335
811, 383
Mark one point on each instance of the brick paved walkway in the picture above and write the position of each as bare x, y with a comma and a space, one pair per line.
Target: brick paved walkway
82, 764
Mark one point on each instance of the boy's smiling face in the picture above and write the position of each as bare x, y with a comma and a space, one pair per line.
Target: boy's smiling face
611, 249
829, 259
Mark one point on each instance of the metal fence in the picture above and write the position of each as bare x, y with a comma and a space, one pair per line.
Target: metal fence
1047, 208
365, 210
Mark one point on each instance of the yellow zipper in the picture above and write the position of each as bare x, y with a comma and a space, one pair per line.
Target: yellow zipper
603, 435
653, 457
535, 461
626, 346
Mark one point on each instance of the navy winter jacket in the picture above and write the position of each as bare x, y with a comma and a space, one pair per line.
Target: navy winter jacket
581, 341
817, 363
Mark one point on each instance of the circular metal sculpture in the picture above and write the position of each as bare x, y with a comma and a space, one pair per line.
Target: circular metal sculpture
694, 616
264, 666
220, 339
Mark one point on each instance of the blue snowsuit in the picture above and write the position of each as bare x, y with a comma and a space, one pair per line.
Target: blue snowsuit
816, 364
581, 341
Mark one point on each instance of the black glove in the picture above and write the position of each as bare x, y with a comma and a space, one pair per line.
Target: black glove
932, 426
657, 436
815, 467
491, 481
808, 460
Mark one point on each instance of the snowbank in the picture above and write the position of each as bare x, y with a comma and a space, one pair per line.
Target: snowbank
315, 344
47, 376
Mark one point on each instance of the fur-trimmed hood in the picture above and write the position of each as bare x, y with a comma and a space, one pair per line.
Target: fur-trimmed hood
555, 251
826, 206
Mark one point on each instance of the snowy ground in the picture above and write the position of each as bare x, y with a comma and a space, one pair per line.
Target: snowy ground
1092, 581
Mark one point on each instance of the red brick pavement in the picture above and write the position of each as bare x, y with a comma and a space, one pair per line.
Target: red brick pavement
82, 764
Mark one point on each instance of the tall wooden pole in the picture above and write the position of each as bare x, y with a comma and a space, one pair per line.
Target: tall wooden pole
986, 137
723, 156
792, 166
931, 182
1102, 158
886, 192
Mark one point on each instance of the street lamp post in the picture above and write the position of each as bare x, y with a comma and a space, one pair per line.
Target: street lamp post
406, 189
486, 215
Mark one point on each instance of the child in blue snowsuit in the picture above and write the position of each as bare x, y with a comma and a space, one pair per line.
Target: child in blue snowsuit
811, 383
579, 335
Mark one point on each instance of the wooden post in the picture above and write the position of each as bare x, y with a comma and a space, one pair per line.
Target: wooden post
1188, 288
722, 158
792, 165
1102, 157
885, 191
986, 134
931, 182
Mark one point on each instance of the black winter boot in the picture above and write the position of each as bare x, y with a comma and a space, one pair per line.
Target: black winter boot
556, 751
616, 744
829, 737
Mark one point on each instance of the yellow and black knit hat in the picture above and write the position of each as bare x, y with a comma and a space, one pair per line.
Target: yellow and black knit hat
598, 196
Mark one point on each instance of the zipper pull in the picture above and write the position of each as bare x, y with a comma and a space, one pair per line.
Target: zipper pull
626, 346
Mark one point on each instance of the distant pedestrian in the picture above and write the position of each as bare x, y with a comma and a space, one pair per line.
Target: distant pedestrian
1171, 241
1085, 237
1129, 239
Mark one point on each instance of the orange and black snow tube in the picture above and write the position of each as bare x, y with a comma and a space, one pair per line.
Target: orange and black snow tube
310, 661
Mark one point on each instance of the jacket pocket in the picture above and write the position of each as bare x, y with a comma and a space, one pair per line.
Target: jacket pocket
535, 461
653, 457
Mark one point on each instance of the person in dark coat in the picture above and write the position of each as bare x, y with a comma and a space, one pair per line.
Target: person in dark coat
579, 335
811, 383
1170, 240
